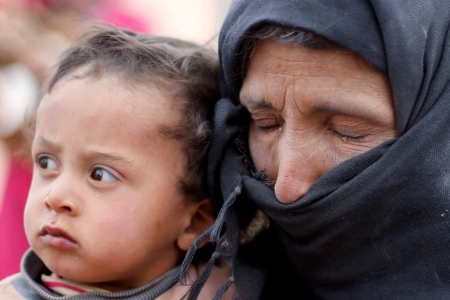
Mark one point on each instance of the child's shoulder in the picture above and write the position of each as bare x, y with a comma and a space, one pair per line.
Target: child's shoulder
7, 289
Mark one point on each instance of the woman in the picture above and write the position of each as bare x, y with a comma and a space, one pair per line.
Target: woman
341, 140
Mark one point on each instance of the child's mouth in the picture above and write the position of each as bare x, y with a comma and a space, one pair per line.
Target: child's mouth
57, 238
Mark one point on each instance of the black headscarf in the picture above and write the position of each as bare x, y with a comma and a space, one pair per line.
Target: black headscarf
376, 226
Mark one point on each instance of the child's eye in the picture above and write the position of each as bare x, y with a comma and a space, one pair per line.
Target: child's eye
100, 174
47, 163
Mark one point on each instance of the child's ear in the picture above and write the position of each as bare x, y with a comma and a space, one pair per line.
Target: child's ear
202, 218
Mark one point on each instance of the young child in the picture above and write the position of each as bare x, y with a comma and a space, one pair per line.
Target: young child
118, 194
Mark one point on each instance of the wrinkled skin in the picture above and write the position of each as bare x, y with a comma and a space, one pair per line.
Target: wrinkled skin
312, 109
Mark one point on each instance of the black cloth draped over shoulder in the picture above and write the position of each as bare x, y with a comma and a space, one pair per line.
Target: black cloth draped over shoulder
376, 226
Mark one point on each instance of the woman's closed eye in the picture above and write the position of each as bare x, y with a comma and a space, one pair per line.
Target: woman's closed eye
349, 129
103, 175
347, 137
46, 163
267, 123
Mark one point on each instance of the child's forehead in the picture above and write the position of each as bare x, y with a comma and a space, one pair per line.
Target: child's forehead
115, 88
108, 100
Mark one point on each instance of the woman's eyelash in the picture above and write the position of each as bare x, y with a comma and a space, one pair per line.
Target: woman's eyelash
345, 137
268, 124
269, 128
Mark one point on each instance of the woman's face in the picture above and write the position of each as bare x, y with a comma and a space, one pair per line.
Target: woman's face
312, 109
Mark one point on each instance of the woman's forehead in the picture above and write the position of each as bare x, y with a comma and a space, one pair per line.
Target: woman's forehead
271, 58
318, 79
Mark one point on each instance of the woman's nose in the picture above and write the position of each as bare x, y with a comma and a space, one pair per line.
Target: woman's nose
289, 189
298, 169
61, 198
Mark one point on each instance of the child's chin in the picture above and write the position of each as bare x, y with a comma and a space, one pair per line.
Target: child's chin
67, 266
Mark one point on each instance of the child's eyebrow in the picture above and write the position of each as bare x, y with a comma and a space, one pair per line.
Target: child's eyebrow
94, 155
109, 157
45, 143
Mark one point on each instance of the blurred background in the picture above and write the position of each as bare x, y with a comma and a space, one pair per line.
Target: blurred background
33, 33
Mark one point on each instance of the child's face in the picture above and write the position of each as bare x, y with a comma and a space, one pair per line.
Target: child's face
105, 206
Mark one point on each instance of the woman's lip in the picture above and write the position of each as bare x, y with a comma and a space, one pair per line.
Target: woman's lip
57, 238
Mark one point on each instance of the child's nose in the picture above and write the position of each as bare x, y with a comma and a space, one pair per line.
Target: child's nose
61, 198
60, 205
